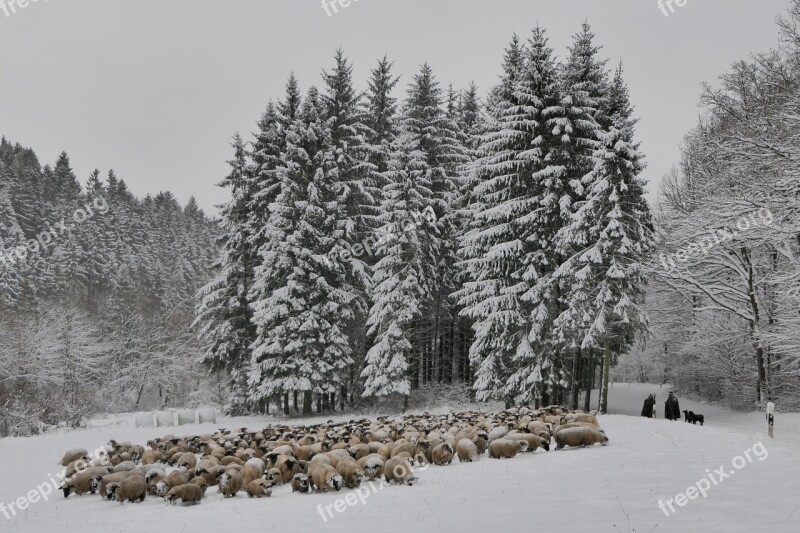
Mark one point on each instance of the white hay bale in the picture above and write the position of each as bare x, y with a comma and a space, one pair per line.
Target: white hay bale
143, 420
185, 417
207, 415
165, 418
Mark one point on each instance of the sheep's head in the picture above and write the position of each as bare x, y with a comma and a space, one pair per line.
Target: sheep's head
523, 445
66, 486
336, 482
265, 489
172, 496
96, 479
162, 488
272, 475
111, 490
301, 482
301, 467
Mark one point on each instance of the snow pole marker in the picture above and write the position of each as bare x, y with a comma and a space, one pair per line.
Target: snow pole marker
770, 419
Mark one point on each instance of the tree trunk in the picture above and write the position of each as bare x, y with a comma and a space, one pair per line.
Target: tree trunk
139, 397
577, 368
606, 366
590, 364
286, 403
307, 402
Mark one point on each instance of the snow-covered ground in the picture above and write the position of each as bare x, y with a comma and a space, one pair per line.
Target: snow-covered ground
615, 488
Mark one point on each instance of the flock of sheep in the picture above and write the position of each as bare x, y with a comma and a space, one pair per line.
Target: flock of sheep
320, 458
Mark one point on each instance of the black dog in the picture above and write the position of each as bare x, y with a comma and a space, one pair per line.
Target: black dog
686, 415
694, 418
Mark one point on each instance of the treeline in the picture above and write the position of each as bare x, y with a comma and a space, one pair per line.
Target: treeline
372, 246
96, 294
725, 301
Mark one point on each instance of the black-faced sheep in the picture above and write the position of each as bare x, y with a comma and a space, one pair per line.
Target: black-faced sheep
467, 451
497, 433
442, 454
200, 482
252, 470
534, 441
351, 474
398, 470
124, 466
259, 488
324, 478
99, 483
75, 454
132, 489
579, 436
82, 482
230, 483
506, 448
173, 479
189, 494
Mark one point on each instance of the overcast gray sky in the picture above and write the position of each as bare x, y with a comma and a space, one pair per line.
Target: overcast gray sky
156, 88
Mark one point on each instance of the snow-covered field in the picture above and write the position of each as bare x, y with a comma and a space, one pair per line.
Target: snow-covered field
614, 488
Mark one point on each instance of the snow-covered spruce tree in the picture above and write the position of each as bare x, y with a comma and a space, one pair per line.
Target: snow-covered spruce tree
408, 280
379, 116
223, 313
568, 145
11, 236
266, 162
611, 238
495, 314
497, 248
301, 294
437, 134
358, 197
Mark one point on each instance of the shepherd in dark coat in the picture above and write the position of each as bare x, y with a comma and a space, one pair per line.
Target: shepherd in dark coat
647, 410
672, 410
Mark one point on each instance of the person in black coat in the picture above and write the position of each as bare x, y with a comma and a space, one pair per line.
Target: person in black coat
672, 410
647, 410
